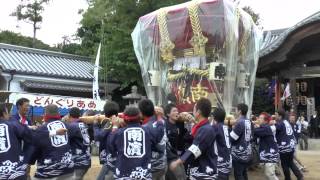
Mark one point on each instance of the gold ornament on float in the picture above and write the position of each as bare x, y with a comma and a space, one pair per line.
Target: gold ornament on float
166, 46
198, 40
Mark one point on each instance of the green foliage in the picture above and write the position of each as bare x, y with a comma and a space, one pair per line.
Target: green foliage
255, 16
70, 48
30, 12
261, 101
119, 18
9, 37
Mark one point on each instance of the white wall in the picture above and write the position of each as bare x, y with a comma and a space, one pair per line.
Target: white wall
15, 85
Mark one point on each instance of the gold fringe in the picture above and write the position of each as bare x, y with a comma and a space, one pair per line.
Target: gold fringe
198, 41
166, 46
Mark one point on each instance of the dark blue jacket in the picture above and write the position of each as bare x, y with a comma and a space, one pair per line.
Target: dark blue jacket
55, 156
28, 149
241, 139
201, 154
296, 127
12, 164
268, 148
131, 146
80, 145
223, 149
17, 118
285, 137
158, 143
173, 134
101, 135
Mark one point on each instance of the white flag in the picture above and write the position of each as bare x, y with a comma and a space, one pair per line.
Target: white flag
286, 92
95, 85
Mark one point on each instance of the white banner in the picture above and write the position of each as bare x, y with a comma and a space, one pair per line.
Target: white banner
60, 101
95, 85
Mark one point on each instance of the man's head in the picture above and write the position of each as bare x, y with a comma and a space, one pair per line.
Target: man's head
280, 114
273, 119
52, 110
132, 115
111, 109
4, 114
74, 113
23, 105
202, 109
315, 112
146, 107
264, 118
242, 109
172, 112
219, 115
292, 118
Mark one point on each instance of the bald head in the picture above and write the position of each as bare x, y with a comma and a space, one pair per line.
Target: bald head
52, 110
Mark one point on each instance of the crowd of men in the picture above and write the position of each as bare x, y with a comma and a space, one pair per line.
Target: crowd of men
147, 142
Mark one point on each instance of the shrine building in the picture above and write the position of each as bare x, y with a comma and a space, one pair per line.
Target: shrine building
292, 56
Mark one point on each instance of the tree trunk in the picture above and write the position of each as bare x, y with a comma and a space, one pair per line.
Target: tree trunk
34, 35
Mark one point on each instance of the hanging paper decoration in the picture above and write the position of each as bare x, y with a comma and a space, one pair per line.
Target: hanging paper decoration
154, 78
297, 87
298, 100
304, 87
303, 100
243, 80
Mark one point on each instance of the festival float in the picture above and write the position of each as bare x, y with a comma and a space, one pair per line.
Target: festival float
202, 48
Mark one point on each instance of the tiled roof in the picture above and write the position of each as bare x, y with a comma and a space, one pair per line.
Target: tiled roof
31, 61
273, 40
270, 36
57, 86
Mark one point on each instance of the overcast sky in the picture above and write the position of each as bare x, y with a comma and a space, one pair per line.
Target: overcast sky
61, 17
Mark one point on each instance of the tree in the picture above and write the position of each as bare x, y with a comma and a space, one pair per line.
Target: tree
262, 102
255, 16
30, 12
112, 22
70, 48
9, 37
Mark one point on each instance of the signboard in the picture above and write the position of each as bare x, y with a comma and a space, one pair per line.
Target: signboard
60, 101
